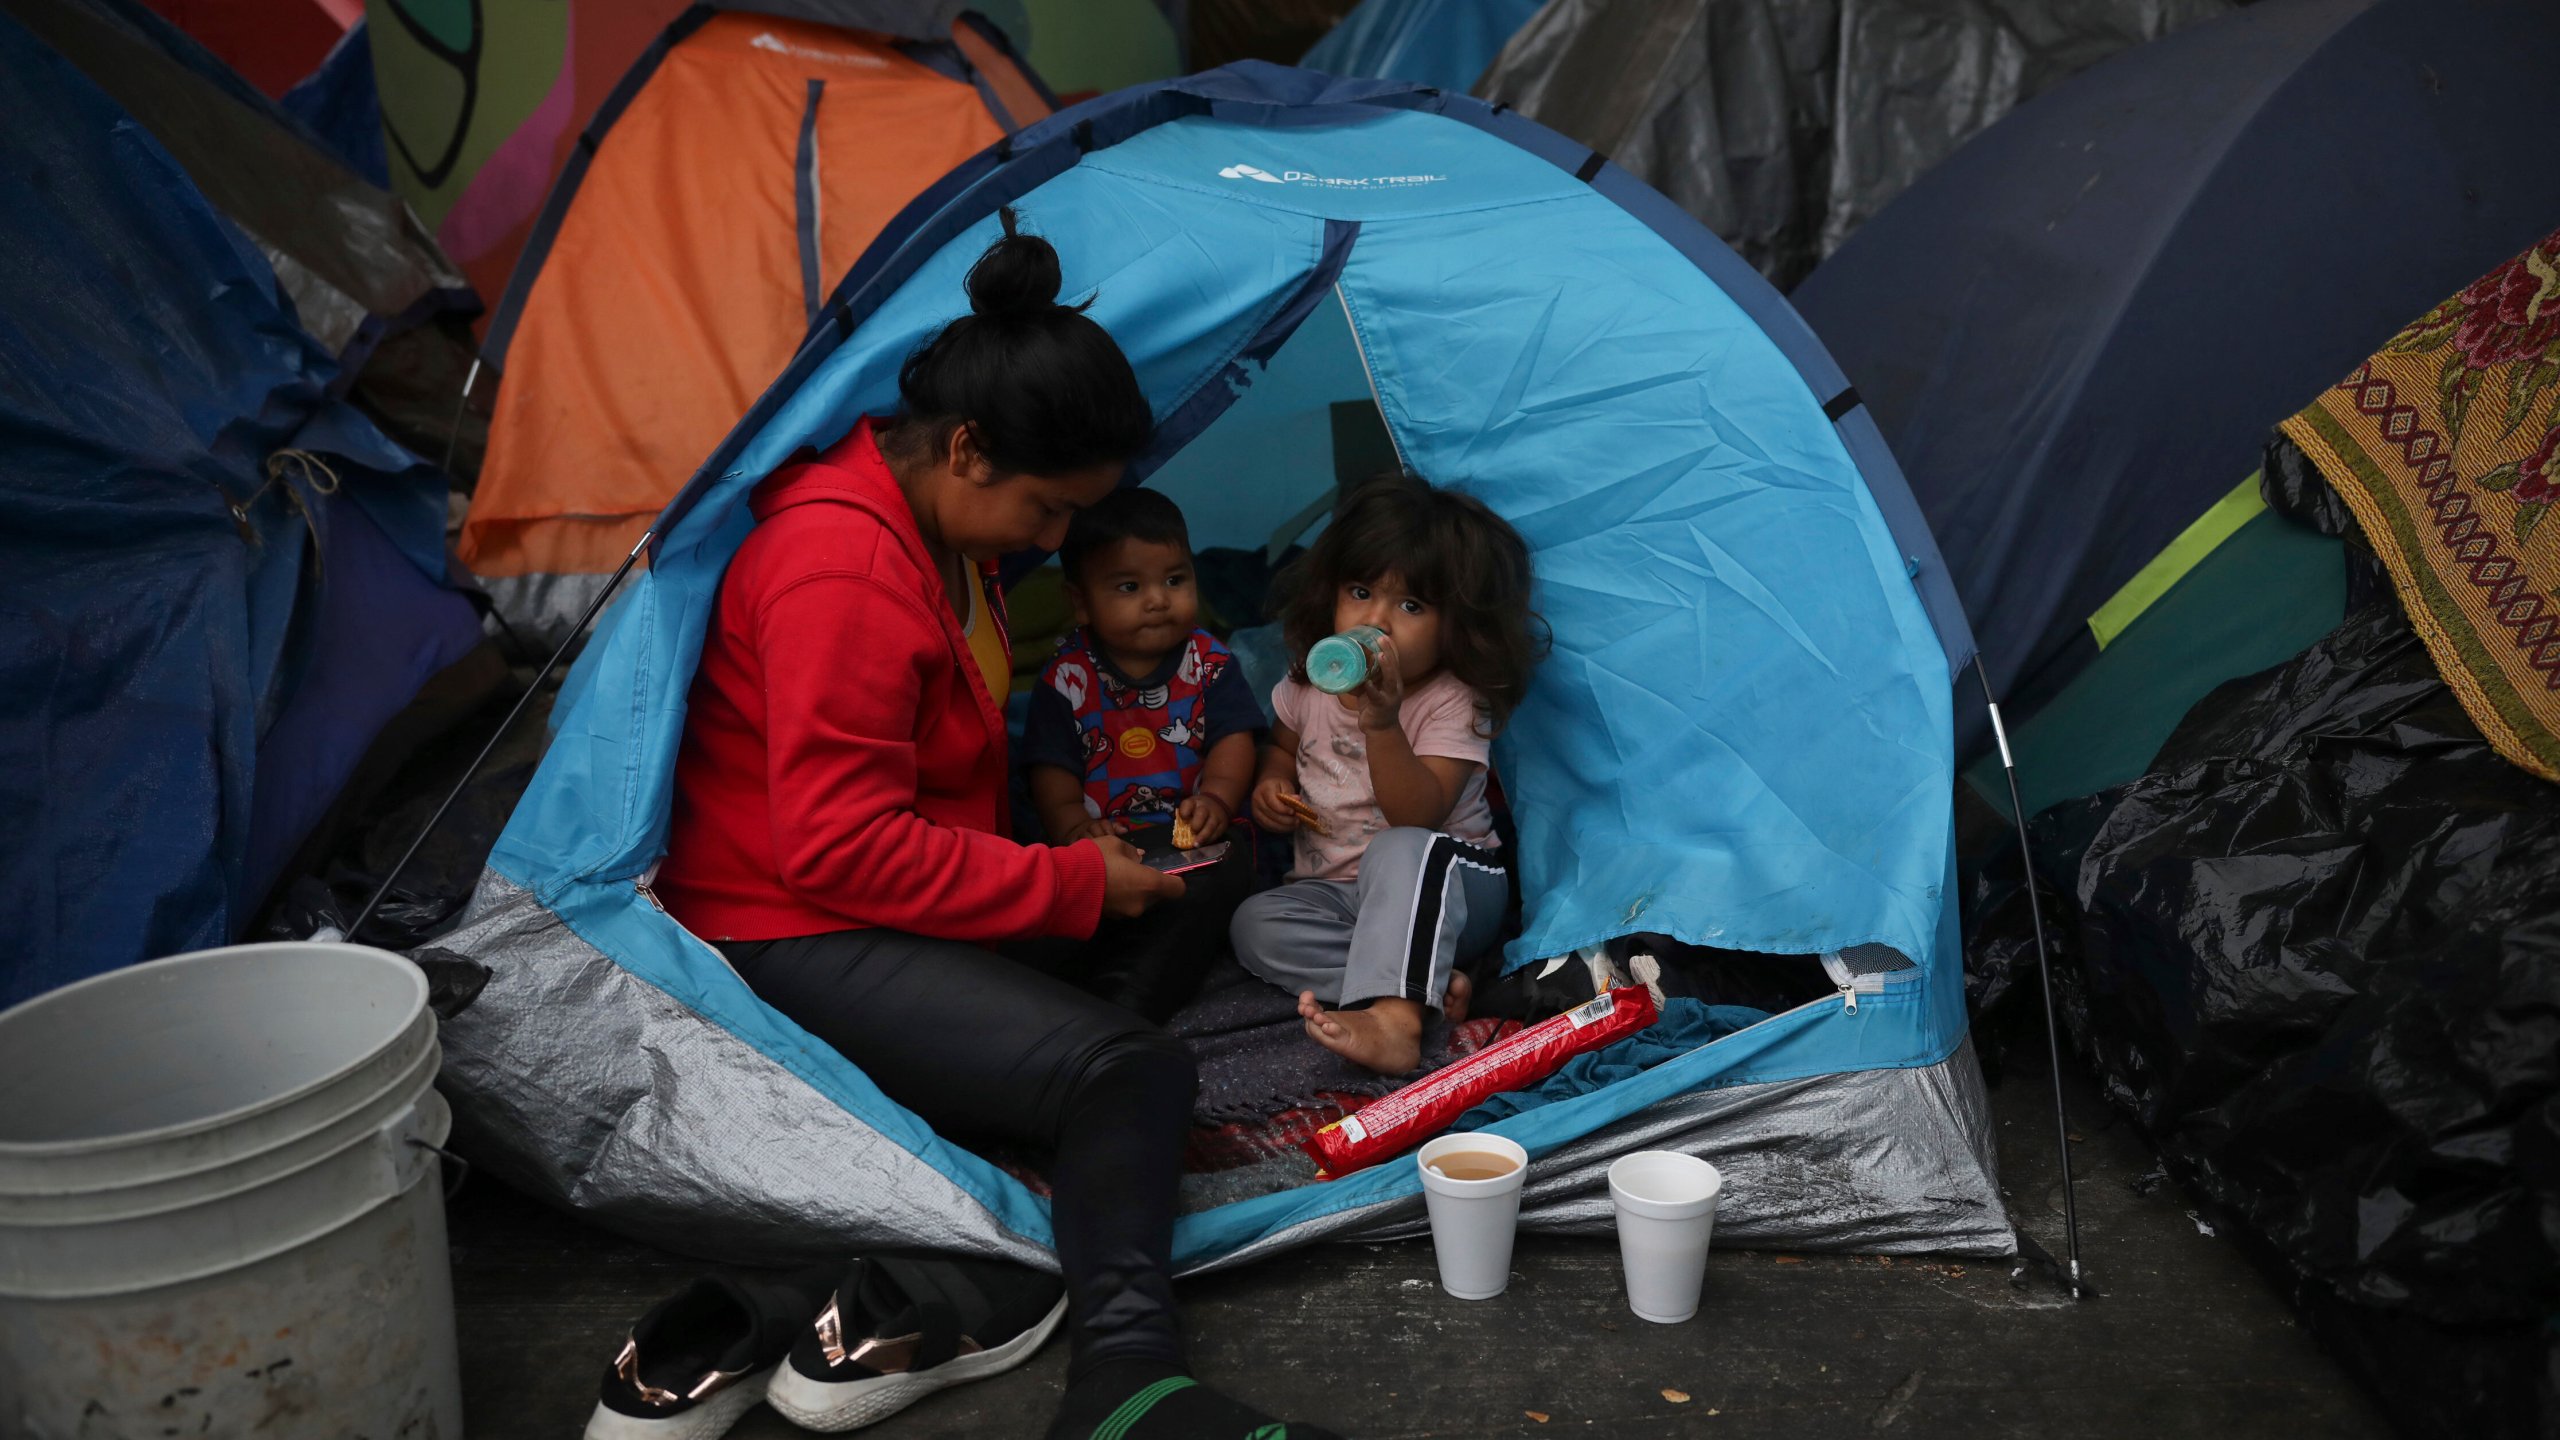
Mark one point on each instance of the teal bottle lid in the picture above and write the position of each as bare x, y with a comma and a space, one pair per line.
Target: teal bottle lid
1339, 664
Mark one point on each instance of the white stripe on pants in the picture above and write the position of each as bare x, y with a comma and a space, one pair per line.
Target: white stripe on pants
1422, 903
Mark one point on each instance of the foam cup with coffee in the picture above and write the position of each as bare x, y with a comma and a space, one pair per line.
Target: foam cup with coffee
1471, 1185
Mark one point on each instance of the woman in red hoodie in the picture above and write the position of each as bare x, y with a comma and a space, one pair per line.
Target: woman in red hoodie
841, 817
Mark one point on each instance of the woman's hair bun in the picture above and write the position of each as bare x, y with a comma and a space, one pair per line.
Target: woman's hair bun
1041, 386
1017, 277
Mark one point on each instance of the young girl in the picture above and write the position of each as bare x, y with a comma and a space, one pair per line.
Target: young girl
1398, 878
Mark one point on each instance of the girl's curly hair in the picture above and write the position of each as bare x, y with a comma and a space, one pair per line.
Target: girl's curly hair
1452, 551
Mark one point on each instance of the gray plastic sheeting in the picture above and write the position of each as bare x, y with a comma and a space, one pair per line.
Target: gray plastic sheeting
585, 1085
1784, 124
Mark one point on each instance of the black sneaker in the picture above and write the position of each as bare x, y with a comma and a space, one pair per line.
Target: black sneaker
701, 1357
897, 1329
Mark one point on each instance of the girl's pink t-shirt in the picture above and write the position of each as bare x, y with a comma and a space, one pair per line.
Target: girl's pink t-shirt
1443, 718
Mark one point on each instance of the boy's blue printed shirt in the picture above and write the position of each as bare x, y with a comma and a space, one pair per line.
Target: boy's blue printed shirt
1136, 742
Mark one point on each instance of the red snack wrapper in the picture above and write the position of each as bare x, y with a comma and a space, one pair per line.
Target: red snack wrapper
1388, 1127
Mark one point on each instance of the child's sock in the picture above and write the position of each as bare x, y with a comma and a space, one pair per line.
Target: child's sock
1150, 1400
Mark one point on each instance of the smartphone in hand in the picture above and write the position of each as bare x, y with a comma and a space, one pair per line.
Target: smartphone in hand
1175, 862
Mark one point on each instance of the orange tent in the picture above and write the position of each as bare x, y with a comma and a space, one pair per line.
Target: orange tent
737, 171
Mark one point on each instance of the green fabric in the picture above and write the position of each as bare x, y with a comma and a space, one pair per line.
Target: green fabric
2181, 555
1037, 616
2256, 600
1100, 45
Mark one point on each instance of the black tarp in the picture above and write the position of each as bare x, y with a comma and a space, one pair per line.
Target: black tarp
1784, 124
2315, 952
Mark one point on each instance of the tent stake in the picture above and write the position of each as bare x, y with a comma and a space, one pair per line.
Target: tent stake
2044, 970
597, 604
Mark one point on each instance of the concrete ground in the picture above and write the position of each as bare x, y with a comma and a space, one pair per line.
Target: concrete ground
2188, 1339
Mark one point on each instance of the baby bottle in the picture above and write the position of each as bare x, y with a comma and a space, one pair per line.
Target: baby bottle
1339, 664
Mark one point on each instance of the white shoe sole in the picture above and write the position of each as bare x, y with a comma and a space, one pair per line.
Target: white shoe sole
830, 1407
707, 1421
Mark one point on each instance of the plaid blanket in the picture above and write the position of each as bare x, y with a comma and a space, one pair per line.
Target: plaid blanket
1256, 1062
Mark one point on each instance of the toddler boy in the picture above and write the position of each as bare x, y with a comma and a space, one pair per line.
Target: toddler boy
1142, 720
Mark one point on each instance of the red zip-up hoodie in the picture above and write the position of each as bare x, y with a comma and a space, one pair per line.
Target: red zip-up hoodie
843, 765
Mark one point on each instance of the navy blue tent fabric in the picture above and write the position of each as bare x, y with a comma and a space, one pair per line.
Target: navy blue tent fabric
2078, 330
189, 528
340, 104
379, 628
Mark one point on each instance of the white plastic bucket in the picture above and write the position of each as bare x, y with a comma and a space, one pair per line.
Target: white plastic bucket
219, 1208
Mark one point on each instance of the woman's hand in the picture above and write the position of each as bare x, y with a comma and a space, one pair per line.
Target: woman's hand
1129, 888
1207, 816
1094, 827
1382, 694
1270, 811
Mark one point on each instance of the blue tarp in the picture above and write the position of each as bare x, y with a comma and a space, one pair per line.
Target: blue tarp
2077, 332
341, 106
1447, 43
215, 582
1744, 736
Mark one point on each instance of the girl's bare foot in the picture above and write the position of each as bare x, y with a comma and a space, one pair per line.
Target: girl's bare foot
1386, 1037
1461, 990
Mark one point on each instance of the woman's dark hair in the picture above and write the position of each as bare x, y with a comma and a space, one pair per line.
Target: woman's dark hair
1043, 388
1452, 551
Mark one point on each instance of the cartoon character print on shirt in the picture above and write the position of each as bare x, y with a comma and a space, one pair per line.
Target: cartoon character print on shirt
1141, 800
1142, 747
1072, 677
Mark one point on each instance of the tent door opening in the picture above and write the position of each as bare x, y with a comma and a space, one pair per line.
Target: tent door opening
1264, 474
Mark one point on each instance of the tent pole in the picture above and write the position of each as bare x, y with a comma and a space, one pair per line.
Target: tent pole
500, 733
453, 432
2044, 970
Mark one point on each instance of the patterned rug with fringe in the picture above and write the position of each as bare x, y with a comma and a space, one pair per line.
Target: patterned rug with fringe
2446, 444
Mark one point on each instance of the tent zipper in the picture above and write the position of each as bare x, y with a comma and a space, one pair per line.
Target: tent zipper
644, 883
1852, 985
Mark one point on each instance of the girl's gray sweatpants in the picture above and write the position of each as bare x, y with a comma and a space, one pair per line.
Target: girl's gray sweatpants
1423, 902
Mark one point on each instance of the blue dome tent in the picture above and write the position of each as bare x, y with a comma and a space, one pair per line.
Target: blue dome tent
1743, 739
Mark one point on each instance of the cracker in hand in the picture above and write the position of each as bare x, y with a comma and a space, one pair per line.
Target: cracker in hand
1183, 838
1307, 815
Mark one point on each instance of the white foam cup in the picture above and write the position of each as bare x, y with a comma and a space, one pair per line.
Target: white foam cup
1472, 1221
1666, 1204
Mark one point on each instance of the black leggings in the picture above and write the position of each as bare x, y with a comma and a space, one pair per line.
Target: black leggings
1153, 964
984, 1047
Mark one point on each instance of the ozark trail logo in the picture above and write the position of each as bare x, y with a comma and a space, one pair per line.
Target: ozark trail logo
1328, 182
767, 40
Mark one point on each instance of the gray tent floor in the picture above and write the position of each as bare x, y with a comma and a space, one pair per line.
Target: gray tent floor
2190, 1339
